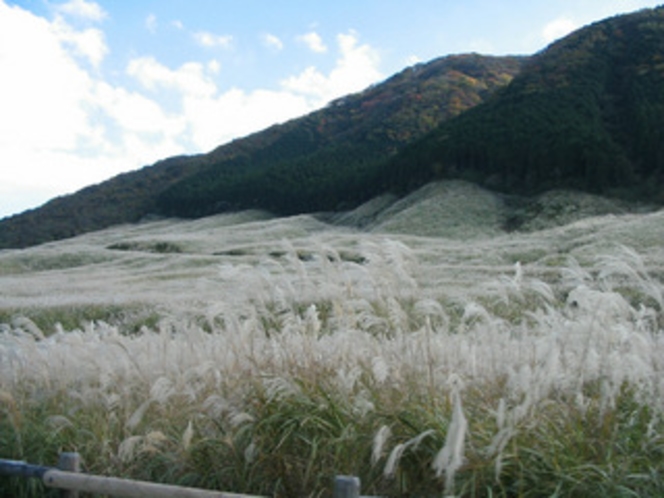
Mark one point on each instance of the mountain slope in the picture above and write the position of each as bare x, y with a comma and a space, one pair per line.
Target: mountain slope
367, 128
586, 113
332, 158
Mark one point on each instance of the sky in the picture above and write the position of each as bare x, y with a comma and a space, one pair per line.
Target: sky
91, 89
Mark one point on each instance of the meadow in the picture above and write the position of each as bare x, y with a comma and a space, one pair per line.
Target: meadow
415, 343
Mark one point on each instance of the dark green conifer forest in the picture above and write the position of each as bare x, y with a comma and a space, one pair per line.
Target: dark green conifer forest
587, 113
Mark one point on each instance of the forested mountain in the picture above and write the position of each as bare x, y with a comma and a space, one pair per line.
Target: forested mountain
332, 158
586, 113
322, 160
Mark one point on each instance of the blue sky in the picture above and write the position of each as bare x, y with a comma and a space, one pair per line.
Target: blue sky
92, 89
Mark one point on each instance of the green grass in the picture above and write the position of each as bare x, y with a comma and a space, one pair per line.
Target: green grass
48, 320
293, 444
161, 247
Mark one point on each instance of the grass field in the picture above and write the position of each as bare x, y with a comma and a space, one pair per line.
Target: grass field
414, 343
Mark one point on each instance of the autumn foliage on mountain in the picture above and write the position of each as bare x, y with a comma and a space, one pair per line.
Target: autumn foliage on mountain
587, 113
332, 159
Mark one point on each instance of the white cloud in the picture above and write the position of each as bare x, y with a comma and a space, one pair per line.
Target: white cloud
273, 42
133, 112
355, 69
213, 66
151, 23
413, 59
314, 42
60, 127
237, 113
214, 117
88, 43
558, 28
189, 79
41, 87
85, 10
63, 127
208, 118
210, 40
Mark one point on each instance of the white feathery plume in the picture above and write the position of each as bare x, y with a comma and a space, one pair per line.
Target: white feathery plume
312, 320
393, 460
137, 416
542, 289
379, 441
162, 389
474, 312
450, 458
396, 453
573, 274
59, 422
239, 418
187, 436
250, 452
127, 448
380, 369
27, 325
362, 405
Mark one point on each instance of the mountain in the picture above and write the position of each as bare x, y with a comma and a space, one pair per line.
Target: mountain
328, 157
332, 159
587, 113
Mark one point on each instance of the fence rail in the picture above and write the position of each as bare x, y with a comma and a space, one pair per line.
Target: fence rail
67, 476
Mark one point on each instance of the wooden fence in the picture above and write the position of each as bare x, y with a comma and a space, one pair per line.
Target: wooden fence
68, 477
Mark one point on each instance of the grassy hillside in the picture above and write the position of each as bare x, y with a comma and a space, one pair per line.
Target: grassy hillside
467, 362
588, 112
312, 155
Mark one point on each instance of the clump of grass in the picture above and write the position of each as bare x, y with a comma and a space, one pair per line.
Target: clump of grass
323, 366
48, 320
159, 247
44, 260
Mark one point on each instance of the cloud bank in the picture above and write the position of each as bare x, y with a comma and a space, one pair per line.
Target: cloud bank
558, 28
64, 126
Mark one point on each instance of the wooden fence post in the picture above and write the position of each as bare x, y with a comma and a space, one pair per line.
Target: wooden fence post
69, 462
346, 487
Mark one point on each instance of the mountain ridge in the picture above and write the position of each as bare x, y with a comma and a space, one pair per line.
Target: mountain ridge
585, 113
411, 102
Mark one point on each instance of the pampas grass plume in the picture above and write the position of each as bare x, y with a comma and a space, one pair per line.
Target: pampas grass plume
187, 436
380, 439
450, 458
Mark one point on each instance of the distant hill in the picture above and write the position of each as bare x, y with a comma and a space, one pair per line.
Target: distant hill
325, 160
586, 113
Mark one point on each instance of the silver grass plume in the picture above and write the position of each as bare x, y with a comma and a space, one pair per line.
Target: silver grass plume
393, 460
380, 439
450, 458
187, 436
